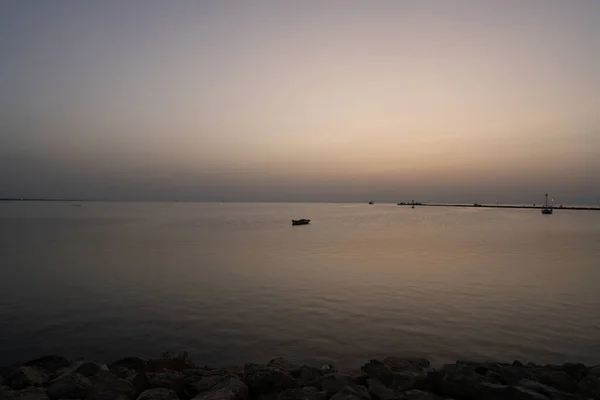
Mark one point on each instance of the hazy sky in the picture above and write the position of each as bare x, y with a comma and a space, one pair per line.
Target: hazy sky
301, 100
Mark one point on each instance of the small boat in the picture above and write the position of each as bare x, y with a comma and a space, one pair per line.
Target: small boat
546, 209
371, 202
300, 221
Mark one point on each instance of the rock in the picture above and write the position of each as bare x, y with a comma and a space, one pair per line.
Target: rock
590, 386
108, 386
377, 370
557, 379
537, 387
305, 393
595, 370
352, 393
158, 394
87, 368
420, 395
311, 376
27, 376
6, 393
575, 370
521, 393
264, 379
381, 392
69, 386
333, 383
283, 364
463, 382
141, 382
230, 388
397, 364
208, 382
167, 380
50, 364
32, 393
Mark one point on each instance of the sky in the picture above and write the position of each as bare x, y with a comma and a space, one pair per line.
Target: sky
447, 101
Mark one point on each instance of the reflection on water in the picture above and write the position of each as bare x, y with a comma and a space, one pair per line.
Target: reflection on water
232, 283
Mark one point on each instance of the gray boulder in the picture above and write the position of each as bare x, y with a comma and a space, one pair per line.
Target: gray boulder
229, 388
87, 368
381, 392
333, 383
32, 393
557, 379
521, 393
352, 393
27, 376
49, 364
305, 393
107, 386
537, 387
420, 395
158, 394
69, 386
377, 370
397, 364
311, 376
590, 386
167, 380
264, 379
141, 382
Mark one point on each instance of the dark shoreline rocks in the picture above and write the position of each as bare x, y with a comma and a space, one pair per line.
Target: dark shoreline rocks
177, 378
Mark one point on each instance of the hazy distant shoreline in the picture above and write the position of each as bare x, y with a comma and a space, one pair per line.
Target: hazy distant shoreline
518, 206
176, 377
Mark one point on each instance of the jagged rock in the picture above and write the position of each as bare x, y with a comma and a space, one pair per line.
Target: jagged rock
557, 379
575, 370
377, 370
311, 376
27, 376
230, 388
108, 386
381, 392
463, 382
305, 393
537, 387
420, 395
141, 382
69, 386
352, 393
167, 380
590, 386
6, 393
158, 394
521, 393
31, 393
397, 364
50, 364
87, 368
265, 379
333, 383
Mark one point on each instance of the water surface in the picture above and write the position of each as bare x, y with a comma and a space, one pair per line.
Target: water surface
232, 283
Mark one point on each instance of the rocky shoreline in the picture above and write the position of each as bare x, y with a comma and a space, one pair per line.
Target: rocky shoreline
177, 378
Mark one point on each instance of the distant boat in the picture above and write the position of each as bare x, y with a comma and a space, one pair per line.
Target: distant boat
371, 202
546, 209
300, 221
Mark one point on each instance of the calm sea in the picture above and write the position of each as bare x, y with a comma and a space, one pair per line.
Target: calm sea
232, 283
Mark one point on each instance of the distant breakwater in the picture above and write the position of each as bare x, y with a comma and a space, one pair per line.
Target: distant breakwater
536, 206
175, 377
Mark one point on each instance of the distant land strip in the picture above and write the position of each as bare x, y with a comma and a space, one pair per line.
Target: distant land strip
583, 208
